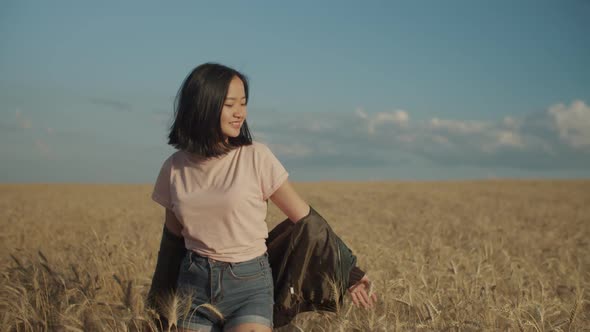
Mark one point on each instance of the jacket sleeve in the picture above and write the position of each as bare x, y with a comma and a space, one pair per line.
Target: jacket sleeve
170, 255
356, 274
348, 264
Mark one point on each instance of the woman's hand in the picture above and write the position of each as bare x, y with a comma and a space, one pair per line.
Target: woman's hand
360, 293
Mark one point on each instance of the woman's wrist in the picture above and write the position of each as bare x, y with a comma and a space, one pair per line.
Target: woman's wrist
355, 275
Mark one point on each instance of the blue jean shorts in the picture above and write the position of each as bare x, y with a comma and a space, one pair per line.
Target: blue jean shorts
239, 293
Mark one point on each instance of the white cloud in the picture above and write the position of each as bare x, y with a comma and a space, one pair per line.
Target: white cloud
572, 123
484, 136
518, 141
399, 118
361, 113
458, 127
511, 122
509, 138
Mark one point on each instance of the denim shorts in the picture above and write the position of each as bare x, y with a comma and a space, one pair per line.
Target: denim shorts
241, 292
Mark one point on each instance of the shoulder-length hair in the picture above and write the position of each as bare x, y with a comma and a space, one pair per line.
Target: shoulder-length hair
197, 112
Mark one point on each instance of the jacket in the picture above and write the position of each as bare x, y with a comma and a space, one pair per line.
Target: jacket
311, 266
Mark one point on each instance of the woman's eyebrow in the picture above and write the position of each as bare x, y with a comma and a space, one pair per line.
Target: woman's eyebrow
235, 98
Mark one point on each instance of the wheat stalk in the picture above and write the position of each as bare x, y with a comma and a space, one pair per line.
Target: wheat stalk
574, 311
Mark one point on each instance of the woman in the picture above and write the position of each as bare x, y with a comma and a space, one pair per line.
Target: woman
215, 189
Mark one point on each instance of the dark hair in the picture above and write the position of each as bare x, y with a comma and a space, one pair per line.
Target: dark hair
197, 112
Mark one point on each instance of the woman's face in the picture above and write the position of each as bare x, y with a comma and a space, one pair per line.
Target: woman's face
234, 110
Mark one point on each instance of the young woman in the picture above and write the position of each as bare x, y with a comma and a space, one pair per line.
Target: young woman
215, 189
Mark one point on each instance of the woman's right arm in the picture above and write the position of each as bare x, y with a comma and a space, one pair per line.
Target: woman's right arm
172, 223
170, 255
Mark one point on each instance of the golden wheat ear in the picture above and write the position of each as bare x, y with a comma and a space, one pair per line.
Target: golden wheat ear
173, 306
335, 287
574, 312
213, 309
371, 285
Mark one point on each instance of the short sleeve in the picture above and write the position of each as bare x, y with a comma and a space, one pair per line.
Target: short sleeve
272, 173
161, 192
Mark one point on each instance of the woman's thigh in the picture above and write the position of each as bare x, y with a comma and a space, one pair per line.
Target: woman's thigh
229, 295
194, 296
249, 295
249, 327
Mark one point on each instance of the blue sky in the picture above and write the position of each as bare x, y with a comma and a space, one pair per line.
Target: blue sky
340, 90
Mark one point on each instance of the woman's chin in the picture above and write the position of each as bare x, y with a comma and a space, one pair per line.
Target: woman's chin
232, 135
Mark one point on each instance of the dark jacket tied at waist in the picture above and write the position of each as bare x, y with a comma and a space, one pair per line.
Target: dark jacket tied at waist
311, 266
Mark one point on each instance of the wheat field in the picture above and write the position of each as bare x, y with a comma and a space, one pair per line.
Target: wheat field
444, 256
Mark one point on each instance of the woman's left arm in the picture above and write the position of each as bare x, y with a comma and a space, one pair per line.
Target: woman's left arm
295, 208
289, 201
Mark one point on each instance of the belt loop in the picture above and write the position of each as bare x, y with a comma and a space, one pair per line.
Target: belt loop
263, 258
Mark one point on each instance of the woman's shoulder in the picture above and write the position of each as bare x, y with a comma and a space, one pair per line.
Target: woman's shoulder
173, 160
257, 144
260, 147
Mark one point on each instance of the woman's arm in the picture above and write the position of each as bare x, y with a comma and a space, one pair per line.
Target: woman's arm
172, 223
289, 201
295, 208
170, 255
